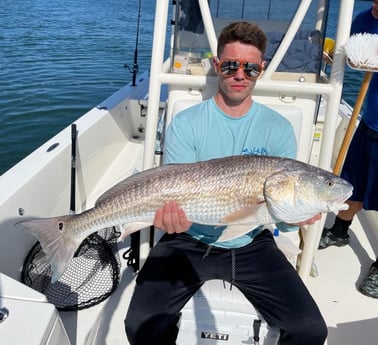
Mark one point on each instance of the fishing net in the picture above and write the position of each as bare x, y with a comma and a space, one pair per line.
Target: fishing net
91, 277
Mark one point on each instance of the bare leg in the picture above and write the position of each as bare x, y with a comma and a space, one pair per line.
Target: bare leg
354, 208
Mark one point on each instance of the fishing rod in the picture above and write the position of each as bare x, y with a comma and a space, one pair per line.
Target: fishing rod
135, 68
269, 7
132, 255
73, 169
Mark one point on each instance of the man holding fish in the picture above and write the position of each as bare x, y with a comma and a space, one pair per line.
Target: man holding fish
189, 254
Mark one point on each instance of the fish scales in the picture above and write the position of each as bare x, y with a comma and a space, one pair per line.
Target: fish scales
240, 192
183, 183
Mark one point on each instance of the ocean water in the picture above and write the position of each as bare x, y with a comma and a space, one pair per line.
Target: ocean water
58, 59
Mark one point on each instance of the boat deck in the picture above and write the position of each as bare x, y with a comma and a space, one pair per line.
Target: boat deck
351, 317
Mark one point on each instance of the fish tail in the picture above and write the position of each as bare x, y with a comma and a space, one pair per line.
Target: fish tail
57, 247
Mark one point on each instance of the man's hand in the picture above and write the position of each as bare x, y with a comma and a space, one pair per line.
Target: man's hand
309, 221
171, 218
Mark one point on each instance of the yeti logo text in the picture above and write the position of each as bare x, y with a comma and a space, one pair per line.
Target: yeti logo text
215, 336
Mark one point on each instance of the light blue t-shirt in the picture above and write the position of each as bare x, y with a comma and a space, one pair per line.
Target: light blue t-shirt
204, 132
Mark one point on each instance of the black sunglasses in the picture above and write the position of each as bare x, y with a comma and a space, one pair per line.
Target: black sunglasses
228, 68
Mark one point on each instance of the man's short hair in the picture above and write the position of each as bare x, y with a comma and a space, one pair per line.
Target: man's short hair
244, 32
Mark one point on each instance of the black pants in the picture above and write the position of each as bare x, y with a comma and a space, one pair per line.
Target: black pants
178, 266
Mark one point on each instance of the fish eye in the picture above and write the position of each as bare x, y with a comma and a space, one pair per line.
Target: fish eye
60, 226
330, 183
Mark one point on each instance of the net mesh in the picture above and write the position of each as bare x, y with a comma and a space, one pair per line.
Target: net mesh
91, 277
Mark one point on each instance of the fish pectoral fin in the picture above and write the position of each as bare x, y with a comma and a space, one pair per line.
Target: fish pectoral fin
130, 228
245, 220
235, 231
254, 215
239, 216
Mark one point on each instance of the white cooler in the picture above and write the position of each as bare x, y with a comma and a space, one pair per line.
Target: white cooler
218, 315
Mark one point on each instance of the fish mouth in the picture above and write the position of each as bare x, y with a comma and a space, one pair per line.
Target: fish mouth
338, 203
